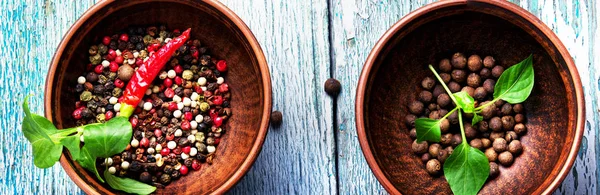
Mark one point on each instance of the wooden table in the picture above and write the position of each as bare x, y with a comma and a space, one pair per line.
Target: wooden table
316, 150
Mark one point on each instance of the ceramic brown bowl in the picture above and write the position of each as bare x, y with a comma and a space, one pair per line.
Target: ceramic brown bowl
226, 36
398, 62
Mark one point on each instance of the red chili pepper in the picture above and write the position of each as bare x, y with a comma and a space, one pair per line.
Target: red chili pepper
146, 73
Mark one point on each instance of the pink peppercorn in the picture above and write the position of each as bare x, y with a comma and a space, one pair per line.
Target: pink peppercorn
218, 121
89, 67
186, 149
118, 83
124, 37
213, 113
98, 69
185, 125
167, 82
187, 116
217, 100
133, 121
106, 40
195, 54
196, 165
139, 62
198, 89
169, 93
183, 170
165, 151
170, 137
222, 66
144, 142
77, 113
178, 69
157, 132
114, 67
111, 55
224, 88
178, 80
119, 59
217, 141
109, 115
172, 106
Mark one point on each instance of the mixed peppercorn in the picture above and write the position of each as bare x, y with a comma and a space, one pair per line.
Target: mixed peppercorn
180, 117
497, 135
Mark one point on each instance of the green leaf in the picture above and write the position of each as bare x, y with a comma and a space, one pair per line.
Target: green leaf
515, 83
37, 130
428, 129
466, 170
476, 119
465, 101
107, 139
72, 143
88, 161
128, 185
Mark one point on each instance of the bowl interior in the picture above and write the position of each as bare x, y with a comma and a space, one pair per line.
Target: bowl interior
476, 29
223, 39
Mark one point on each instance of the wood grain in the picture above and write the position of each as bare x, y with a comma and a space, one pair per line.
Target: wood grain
298, 157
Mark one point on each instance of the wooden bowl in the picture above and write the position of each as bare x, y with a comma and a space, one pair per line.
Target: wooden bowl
389, 80
226, 36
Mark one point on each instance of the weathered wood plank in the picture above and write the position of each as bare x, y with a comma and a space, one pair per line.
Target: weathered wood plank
356, 27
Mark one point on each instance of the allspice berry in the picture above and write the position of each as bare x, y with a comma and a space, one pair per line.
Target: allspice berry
494, 170
476, 143
435, 114
518, 108
459, 61
456, 140
410, 120
434, 150
437, 90
510, 136
420, 147
491, 154
506, 109
519, 118
454, 87
413, 133
480, 93
489, 85
276, 118
485, 73
520, 129
445, 77
433, 167
449, 149
459, 76
453, 118
497, 71
443, 155
469, 90
470, 132
496, 124
443, 100
489, 62
499, 145
486, 142
505, 158
125, 72
445, 65
332, 87
473, 80
488, 111
425, 157
432, 106
496, 134
425, 96
515, 147
416, 107
474, 63
444, 126
508, 123
446, 139
428, 83
482, 126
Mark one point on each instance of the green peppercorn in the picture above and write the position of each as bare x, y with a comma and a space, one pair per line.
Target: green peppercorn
505, 158
476, 143
434, 150
428, 83
485, 73
442, 156
515, 147
445, 65
459, 76
491, 154
479, 94
410, 120
102, 79
499, 144
496, 124
469, 90
474, 63
489, 62
444, 125
486, 143
445, 77
85, 96
433, 167
204, 106
508, 123
520, 129
518, 108
95, 59
420, 147
446, 139
437, 90
494, 170
454, 87
519, 118
165, 178
100, 118
497, 71
416, 107
117, 92
102, 49
459, 61
473, 80
443, 100
425, 96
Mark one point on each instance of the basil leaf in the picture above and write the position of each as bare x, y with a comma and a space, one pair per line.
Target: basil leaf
107, 139
88, 161
465, 101
466, 170
428, 129
37, 130
476, 119
72, 143
128, 185
515, 83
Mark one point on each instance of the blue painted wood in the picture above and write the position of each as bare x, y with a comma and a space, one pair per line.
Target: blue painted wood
301, 39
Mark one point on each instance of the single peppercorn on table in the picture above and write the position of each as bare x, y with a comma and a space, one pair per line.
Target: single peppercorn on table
305, 42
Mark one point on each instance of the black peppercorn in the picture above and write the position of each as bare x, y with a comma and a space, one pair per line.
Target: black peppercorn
79, 88
476, 143
491, 154
433, 167
445, 77
443, 100
425, 96
474, 63
91, 77
520, 129
420, 147
445, 65
499, 144
145, 177
485, 73
428, 83
135, 166
87, 113
276, 118
459, 61
508, 123
473, 80
459, 76
454, 87
497, 71
416, 107
175, 175
332, 87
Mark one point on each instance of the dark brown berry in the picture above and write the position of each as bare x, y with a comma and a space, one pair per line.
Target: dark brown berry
480, 94
437, 90
443, 100
420, 147
489, 62
469, 90
506, 109
454, 87
470, 132
410, 120
520, 128
496, 124
276, 118
456, 140
332, 87
425, 96
491, 154
125, 72
444, 126
433, 167
485, 73
413, 133
486, 143
482, 126
453, 118
145, 177
449, 149
446, 139
459, 61
495, 135
428, 83
425, 157
416, 107
445, 65
508, 123
473, 80
499, 103
494, 170
445, 77
443, 112
497, 71
432, 106
476, 143
515, 147
499, 144
519, 118
505, 158
434, 114
434, 150
474, 63
518, 108
510, 136
488, 85
488, 111
459, 76
442, 156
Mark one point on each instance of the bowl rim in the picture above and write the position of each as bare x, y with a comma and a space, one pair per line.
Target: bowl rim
398, 26
265, 77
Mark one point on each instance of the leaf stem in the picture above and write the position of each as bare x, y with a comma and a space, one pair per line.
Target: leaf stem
449, 113
486, 105
462, 129
443, 84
